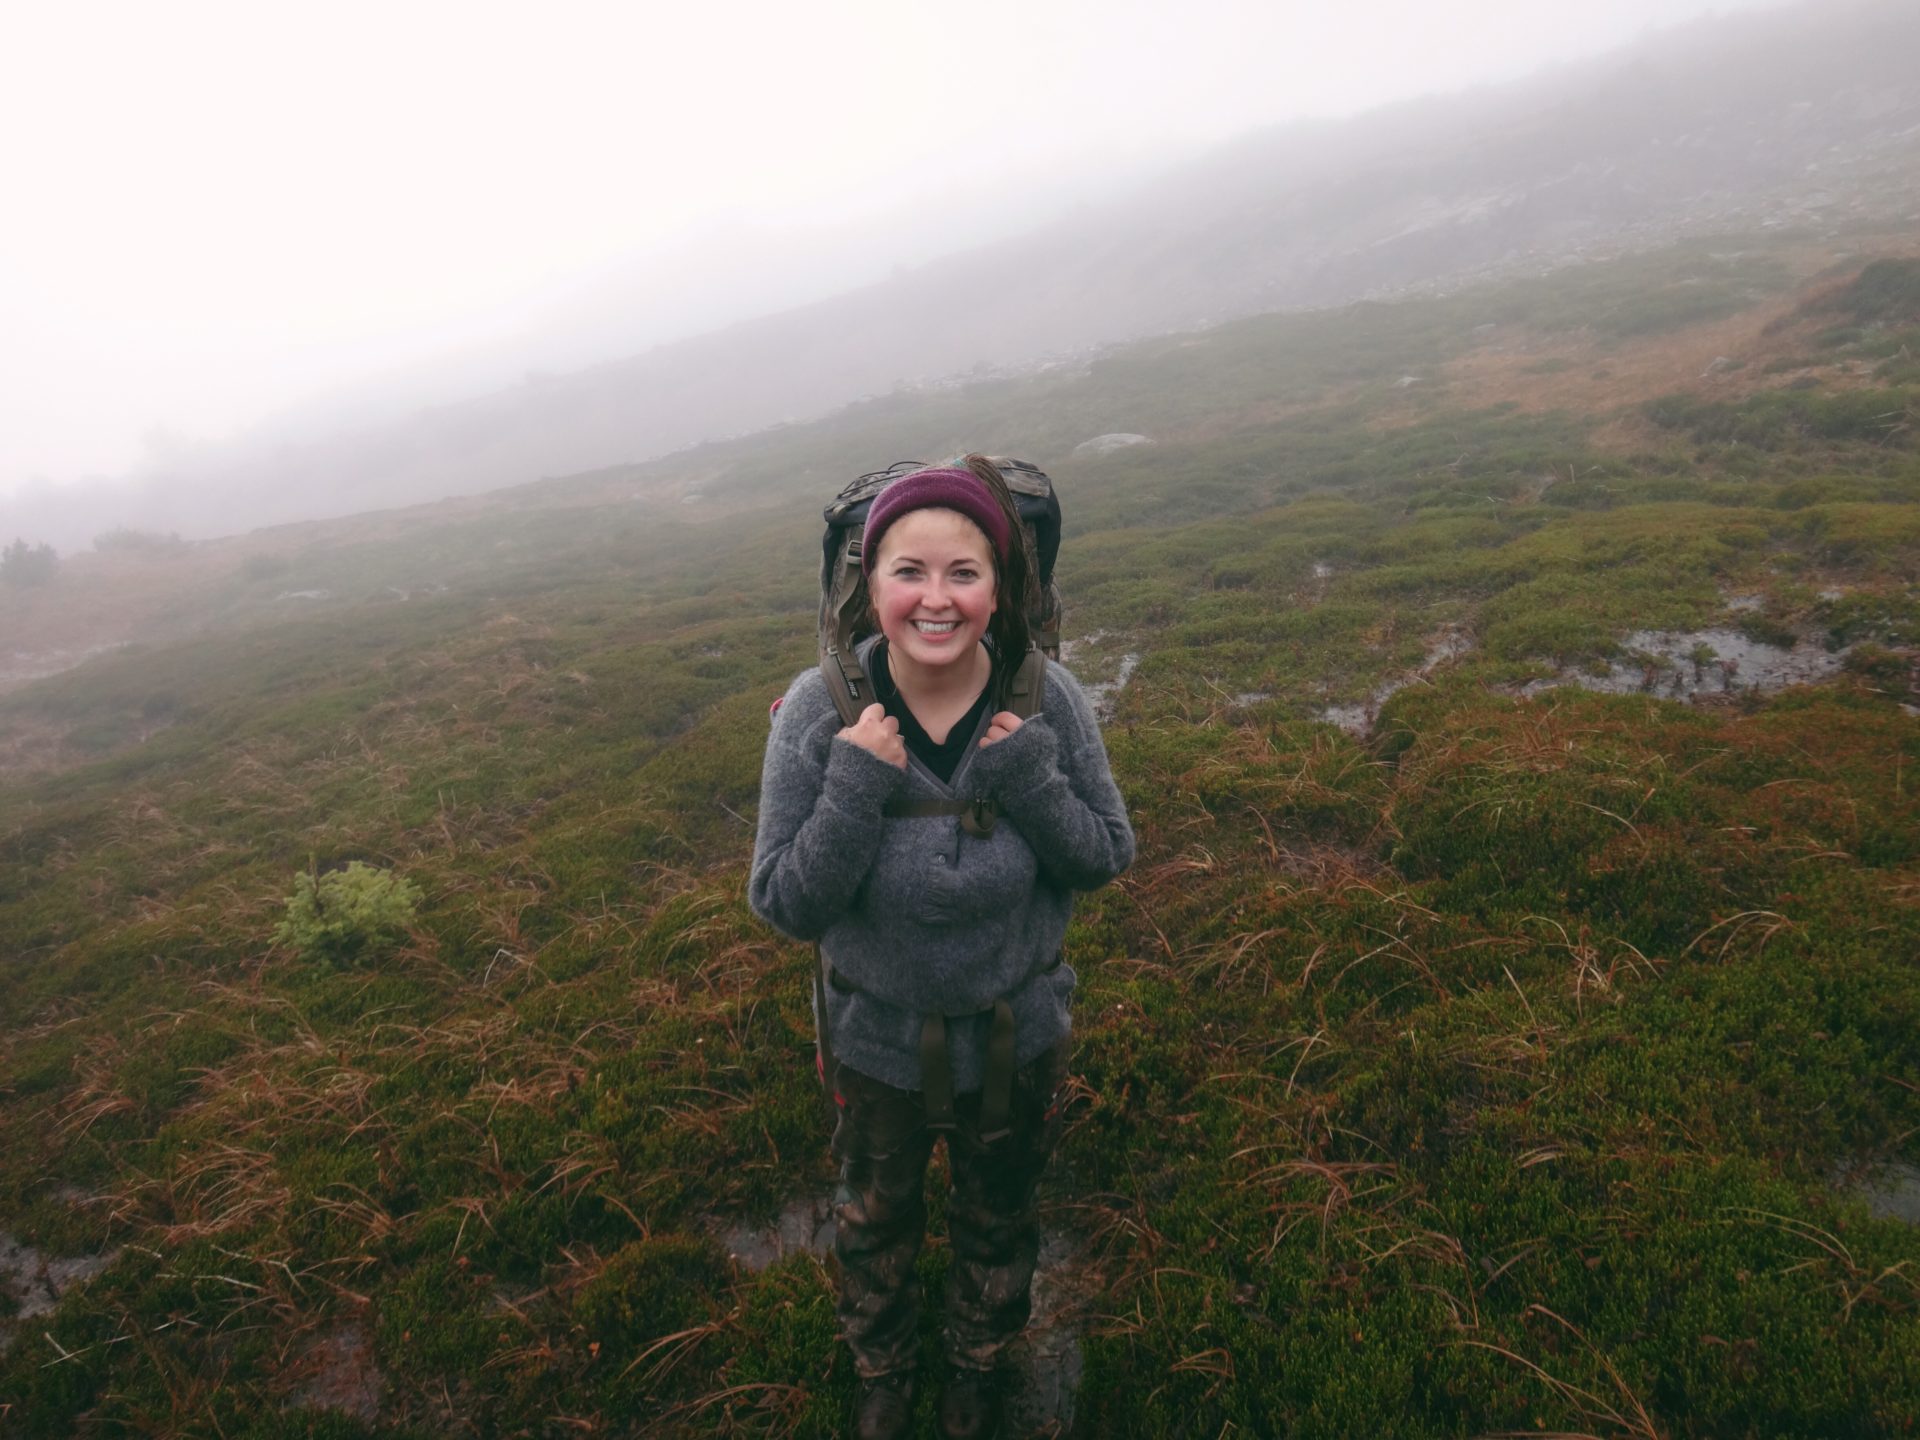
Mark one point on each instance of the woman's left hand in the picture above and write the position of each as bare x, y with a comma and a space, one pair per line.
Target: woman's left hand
1000, 727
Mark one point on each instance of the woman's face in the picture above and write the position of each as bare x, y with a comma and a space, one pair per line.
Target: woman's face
933, 587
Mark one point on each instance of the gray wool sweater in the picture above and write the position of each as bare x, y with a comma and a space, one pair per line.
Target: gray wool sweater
918, 915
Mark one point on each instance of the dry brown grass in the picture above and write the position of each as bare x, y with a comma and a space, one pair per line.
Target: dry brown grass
1536, 373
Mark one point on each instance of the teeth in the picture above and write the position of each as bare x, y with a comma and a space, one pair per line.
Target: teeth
935, 627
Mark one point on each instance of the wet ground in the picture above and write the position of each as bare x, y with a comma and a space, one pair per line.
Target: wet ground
1044, 1368
23, 667
1357, 719
1100, 692
1672, 664
36, 1281
1891, 1192
339, 1374
1686, 664
803, 1227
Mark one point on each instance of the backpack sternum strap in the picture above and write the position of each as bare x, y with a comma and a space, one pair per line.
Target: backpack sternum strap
977, 817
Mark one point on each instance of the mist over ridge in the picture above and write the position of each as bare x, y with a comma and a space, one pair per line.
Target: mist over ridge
1802, 118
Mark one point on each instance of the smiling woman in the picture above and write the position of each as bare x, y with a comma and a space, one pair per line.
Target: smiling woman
931, 848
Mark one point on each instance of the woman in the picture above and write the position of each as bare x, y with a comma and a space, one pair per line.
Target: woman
944, 1007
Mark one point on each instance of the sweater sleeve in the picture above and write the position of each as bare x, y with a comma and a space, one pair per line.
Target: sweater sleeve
820, 824
1051, 777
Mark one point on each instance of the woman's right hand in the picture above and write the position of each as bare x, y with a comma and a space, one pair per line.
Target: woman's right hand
878, 733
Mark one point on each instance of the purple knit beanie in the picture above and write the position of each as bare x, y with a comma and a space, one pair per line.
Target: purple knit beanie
943, 488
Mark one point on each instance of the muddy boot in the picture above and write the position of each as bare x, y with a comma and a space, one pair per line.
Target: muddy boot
970, 1408
883, 1406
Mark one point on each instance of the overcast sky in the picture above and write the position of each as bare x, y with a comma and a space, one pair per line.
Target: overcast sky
215, 210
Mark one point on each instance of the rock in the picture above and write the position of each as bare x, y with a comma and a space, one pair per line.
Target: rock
1106, 444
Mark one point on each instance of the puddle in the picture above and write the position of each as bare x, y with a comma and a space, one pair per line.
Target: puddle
1107, 444
1101, 695
805, 1225
1046, 1366
1357, 719
37, 1282
23, 667
304, 595
341, 1376
1069, 648
1684, 664
1891, 1192
1322, 570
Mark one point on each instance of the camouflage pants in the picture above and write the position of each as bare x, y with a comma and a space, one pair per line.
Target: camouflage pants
883, 1145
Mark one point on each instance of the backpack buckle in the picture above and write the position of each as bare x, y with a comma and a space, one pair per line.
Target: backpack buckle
979, 818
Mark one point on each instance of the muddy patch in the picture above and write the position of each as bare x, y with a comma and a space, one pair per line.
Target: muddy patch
1046, 1366
803, 1227
1890, 1192
1691, 664
337, 1373
23, 667
1100, 693
1357, 719
36, 1282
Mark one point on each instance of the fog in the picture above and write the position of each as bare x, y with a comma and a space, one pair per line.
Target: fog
231, 219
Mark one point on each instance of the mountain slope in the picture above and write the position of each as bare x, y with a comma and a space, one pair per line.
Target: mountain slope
1507, 1027
1807, 118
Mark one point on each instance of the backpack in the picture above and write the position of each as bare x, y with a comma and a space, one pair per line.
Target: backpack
843, 625
843, 587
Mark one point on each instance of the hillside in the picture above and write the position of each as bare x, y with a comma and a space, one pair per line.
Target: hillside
1507, 1028
1807, 118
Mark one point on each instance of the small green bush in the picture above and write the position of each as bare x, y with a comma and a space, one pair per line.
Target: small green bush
339, 916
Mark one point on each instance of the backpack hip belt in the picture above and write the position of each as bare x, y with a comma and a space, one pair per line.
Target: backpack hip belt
936, 1064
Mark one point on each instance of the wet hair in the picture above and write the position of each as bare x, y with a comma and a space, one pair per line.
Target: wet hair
1014, 580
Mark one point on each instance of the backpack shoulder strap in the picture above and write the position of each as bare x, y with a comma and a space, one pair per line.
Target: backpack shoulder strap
847, 682
1027, 686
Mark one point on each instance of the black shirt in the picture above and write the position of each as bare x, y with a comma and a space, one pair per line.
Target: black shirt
944, 758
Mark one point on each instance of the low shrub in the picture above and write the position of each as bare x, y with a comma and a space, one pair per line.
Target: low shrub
337, 917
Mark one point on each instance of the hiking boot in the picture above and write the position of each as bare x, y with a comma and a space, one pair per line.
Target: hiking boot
970, 1408
883, 1406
